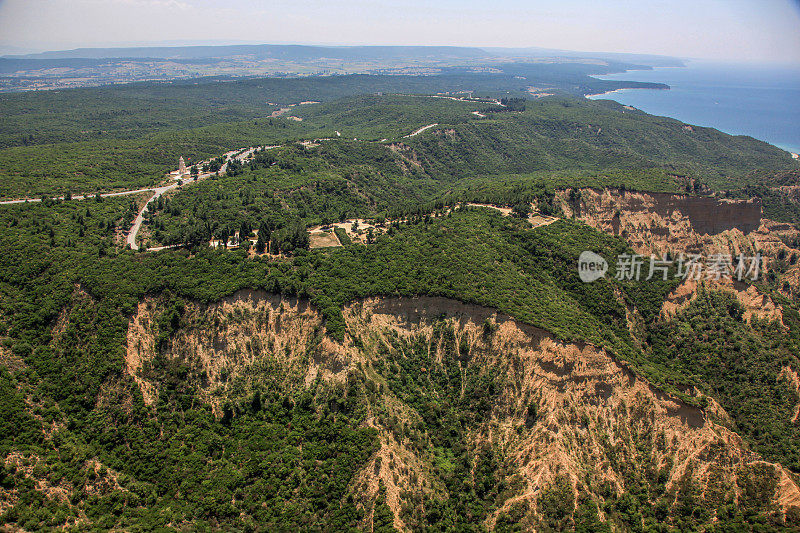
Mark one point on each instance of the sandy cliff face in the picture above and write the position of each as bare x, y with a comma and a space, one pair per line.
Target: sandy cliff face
655, 223
658, 222
562, 413
595, 419
229, 340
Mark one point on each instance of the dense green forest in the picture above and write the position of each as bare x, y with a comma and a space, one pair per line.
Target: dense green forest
472, 255
84, 449
520, 156
137, 110
85, 140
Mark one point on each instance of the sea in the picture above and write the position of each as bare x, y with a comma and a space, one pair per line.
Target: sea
759, 101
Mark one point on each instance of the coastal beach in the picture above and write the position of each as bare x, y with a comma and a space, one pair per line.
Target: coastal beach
615, 91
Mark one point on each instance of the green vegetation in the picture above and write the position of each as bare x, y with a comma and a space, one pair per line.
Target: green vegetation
740, 364
133, 110
568, 135
342, 235
284, 452
76, 366
103, 165
777, 194
527, 273
129, 137
450, 399
513, 158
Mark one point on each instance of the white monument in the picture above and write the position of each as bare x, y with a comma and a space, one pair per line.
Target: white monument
181, 166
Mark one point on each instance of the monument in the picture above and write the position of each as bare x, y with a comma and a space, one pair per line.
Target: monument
181, 166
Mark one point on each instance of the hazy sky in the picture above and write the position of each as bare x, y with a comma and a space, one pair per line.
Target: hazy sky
745, 30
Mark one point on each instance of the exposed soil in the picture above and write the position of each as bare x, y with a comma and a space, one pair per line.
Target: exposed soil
594, 415
791, 376
323, 239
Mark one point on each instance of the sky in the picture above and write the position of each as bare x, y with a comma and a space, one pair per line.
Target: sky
727, 30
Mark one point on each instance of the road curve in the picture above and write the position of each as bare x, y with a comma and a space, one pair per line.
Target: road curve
130, 239
420, 130
137, 223
158, 191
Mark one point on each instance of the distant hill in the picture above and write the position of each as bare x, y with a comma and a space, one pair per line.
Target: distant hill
265, 51
103, 66
646, 59
306, 52
11, 65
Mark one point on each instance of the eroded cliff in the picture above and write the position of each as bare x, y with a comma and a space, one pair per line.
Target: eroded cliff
668, 225
462, 396
656, 222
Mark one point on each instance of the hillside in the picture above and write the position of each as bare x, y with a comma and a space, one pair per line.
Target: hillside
556, 138
88, 347
370, 316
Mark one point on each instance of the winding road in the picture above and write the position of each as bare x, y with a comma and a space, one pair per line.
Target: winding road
137, 223
133, 233
158, 191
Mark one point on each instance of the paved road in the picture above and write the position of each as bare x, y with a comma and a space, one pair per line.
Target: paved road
158, 191
137, 223
78, 197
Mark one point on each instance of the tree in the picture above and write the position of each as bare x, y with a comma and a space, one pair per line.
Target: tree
244, 232
265, 230
521, 210
297, 235
261, 244
382, 516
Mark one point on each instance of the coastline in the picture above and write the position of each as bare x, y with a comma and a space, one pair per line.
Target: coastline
625, 71
627, 89
721, 96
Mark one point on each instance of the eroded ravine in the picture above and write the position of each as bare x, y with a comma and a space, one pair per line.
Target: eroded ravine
593, 417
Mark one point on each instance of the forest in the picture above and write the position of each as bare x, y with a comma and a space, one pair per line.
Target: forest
130, 136
85, 449
519, 156
523, 272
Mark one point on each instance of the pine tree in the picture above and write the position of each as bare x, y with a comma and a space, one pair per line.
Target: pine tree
382, 516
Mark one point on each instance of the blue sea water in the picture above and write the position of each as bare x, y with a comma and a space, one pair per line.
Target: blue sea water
760, 101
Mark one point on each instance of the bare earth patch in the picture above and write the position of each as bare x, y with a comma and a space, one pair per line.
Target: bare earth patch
794, 382
323, 239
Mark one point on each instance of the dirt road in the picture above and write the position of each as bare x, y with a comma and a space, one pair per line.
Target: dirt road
417, 132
